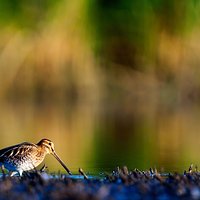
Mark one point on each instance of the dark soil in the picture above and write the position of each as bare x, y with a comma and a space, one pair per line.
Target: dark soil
121, 184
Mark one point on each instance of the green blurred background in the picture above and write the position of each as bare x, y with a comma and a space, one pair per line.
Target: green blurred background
111, 83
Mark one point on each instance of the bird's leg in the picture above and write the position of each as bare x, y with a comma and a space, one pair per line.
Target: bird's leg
34, 169
11, 173
3, 170
43, 169
20, 172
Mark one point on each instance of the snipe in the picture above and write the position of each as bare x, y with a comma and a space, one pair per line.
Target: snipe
27, 156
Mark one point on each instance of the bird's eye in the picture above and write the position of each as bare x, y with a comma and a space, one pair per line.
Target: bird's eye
49, 143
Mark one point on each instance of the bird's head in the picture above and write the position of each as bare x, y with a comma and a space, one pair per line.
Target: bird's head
48, 146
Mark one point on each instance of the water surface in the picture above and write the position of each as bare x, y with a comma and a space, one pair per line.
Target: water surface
98, 138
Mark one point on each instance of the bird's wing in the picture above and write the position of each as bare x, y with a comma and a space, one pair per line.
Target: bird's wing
16, 149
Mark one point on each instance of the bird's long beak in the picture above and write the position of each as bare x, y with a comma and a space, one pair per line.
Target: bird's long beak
61, 162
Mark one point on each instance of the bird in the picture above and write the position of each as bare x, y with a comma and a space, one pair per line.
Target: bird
27, 156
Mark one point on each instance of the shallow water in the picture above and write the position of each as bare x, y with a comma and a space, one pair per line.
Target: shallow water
47, 176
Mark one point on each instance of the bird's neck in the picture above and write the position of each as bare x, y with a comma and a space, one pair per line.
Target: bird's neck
43, 150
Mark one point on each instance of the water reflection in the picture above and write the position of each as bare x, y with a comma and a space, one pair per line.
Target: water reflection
98, 139
70, 131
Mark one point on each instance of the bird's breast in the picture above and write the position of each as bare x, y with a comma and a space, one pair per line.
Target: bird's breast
24, 162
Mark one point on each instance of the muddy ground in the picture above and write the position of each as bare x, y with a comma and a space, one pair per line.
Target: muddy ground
121, 184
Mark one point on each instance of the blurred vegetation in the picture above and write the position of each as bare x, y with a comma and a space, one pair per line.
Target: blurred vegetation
156, 37
104, 74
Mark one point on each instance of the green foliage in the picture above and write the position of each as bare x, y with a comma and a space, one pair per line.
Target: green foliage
125, 31
25, 14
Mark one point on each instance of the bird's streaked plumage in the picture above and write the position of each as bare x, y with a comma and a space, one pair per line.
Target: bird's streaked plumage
27, 156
